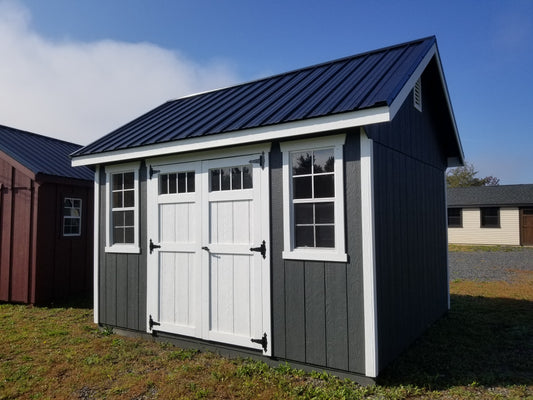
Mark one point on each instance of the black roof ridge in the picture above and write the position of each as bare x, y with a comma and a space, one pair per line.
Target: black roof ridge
308, 67
39, 135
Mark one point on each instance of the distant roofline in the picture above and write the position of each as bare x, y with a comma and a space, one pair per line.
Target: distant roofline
39, 135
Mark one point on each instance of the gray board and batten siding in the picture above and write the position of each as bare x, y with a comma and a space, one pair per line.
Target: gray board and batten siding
122, 277
317, 307
410, 222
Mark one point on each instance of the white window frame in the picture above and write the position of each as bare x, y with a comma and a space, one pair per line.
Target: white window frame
65, 217
122, 247
337, 253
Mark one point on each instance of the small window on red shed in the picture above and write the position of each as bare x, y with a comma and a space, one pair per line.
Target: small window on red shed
71, 216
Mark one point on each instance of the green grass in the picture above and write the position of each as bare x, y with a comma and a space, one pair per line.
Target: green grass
483, 348
491, 248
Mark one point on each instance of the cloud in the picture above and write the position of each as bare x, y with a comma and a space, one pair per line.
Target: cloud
79, 91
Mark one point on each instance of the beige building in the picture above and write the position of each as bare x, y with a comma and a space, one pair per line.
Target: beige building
491, 215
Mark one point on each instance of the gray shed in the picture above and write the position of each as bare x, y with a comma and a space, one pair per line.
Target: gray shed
300, 217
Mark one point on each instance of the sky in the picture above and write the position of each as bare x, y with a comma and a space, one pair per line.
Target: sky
76, 70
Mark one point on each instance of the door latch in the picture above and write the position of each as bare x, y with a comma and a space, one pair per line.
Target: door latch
261, 249
153, 246
263, 342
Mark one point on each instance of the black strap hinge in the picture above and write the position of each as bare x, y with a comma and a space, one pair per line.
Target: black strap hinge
152, 323
263, 342
260, 160
153, 246
261, 249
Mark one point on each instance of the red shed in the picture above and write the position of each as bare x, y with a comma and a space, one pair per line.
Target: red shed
46, 216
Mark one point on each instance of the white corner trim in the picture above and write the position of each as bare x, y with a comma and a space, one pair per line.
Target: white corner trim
447, 241
369, 263
246, 136
96, 239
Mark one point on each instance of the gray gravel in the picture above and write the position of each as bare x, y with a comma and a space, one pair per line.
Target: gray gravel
490, 265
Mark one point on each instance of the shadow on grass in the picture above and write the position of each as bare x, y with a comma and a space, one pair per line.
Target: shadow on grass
79, 301
485, 341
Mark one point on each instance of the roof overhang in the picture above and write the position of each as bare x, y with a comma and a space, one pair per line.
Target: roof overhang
246, 136
294, 129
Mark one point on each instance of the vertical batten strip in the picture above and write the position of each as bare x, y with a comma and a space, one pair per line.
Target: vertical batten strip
369, 264
96, 233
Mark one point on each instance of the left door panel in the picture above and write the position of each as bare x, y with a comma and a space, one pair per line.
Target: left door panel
174, 202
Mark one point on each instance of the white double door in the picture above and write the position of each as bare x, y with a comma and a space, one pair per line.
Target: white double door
204, 280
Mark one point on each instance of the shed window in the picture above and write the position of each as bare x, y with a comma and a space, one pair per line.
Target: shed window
71, 217
455, 217
313, 199
122, 221
490, 217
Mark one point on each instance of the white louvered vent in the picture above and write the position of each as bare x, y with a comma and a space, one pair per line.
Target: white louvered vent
417, 95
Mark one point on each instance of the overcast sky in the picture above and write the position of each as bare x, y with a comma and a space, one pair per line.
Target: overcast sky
76, 70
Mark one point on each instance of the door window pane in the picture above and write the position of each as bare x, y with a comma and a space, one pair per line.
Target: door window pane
231, 178
236, 177
247, 181
225, 178
190, 182
215, 179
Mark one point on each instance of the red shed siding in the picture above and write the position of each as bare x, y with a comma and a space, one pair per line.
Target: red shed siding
37, 263
17, 208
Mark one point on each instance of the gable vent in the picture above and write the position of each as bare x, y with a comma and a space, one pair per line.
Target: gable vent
417, 95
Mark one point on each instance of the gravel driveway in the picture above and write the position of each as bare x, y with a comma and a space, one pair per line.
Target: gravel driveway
490, 265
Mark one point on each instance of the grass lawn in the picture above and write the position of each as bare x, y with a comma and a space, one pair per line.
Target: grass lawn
482, 348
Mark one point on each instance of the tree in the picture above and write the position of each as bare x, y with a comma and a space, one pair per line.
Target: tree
466, 176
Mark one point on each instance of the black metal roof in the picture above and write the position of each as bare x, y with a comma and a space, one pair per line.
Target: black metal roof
42, 154
349, 84
480, 196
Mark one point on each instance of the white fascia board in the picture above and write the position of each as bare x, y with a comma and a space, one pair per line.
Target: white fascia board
409, 85
265, 133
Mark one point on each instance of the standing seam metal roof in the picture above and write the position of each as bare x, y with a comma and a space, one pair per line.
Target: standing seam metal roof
42, 154
349, 84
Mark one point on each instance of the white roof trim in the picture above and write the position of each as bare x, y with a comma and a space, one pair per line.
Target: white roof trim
246, 136
400, 98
